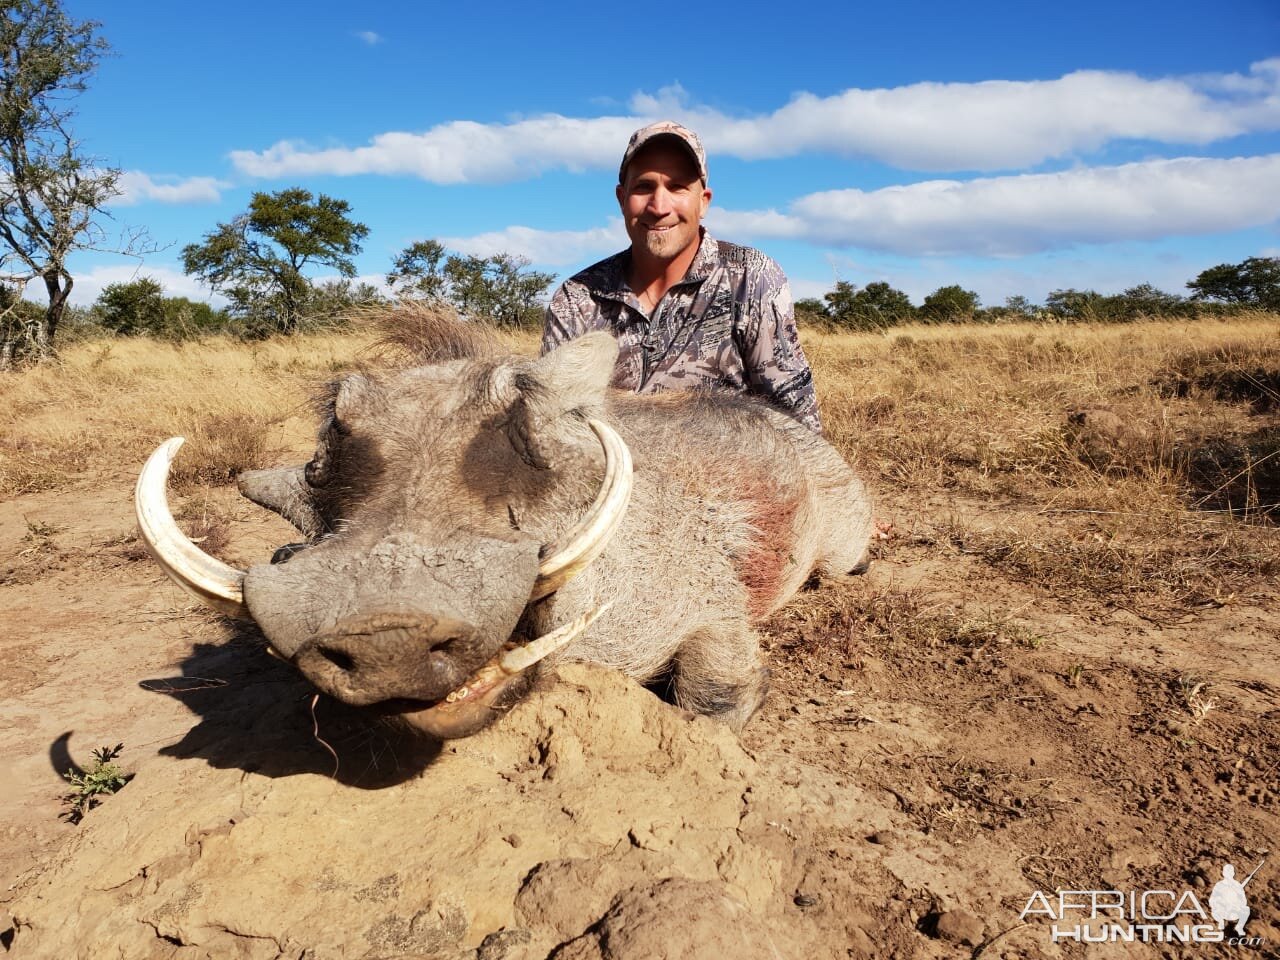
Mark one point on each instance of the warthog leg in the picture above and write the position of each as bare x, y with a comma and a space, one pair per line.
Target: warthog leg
718, 672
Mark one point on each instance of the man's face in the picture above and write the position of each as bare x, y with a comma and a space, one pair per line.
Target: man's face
663, 200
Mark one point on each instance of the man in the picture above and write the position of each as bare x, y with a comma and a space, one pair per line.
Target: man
688, 311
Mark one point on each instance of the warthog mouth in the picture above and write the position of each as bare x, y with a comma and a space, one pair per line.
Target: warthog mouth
461, 711
492, 688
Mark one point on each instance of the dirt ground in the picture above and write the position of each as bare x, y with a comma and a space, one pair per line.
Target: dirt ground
943, 741
1028, 697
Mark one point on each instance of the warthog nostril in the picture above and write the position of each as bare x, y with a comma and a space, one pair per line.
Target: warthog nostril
385, 656
287, 552
449, 646
340, 659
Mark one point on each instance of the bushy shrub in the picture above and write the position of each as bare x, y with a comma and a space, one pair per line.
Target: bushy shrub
874, 307
1254, 282
952, 304
141, 308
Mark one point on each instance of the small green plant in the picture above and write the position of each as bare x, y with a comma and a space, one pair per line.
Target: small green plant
91, 786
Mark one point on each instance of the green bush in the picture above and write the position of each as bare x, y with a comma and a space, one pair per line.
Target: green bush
141, 308
952, 304
874, 307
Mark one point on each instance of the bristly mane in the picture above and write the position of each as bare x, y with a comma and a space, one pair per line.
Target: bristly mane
419, 332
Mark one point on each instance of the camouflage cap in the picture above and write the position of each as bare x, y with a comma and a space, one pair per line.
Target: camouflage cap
665, 128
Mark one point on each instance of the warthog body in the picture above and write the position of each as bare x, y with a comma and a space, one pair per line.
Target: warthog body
434, 489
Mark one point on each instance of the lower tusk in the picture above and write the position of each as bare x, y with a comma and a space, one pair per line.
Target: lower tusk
522, 658
206, 578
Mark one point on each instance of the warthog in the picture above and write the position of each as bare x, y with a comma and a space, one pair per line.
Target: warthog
456, 509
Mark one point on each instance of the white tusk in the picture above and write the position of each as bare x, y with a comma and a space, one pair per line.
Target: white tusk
206, 578
588, 539
522, 658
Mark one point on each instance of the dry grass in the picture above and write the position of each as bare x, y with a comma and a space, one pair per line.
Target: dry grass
1122, 459
1135, 464
104, 405
986, 409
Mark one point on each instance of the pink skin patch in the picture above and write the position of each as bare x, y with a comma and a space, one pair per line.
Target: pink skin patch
764, 567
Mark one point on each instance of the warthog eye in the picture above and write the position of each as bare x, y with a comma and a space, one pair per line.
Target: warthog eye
316, 472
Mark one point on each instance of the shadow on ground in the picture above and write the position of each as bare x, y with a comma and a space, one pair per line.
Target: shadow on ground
256, 714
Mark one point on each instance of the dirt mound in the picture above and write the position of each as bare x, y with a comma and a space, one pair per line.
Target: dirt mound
594, 814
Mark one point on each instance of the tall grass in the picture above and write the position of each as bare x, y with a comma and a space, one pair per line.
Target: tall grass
988, 410
1132, 453
105, 404
1132, 464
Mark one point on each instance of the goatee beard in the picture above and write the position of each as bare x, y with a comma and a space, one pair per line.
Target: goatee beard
662, 245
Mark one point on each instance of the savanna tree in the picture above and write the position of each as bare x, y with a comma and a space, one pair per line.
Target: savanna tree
140, 307
875, 306
259, 259
417, 273
500, 289
952, 304
1254, 282
52, 194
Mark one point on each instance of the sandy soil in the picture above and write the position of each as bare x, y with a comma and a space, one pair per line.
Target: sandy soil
904, 792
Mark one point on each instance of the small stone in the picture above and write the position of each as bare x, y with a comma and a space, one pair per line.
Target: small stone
804, 900
503, 944
513, 839
960, 926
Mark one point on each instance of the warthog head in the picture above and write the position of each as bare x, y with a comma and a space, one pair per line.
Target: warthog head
441, 501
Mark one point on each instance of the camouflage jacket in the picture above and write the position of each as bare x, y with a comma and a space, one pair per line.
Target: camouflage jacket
729, 323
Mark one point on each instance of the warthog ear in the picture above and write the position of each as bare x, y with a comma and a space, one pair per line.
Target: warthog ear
576, 373
348, 395
570, 379
284, 491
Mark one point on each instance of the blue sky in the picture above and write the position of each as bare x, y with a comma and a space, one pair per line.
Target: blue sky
1014, 148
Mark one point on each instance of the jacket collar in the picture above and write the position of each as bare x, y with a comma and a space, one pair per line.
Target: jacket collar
611, 280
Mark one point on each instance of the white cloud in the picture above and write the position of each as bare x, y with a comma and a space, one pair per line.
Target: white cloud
994, 124
987, 126
1008, 216
553, 248
369, 37
994, 216
138, 187
457, 152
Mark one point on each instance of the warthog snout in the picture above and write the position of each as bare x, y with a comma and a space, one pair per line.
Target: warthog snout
369, 659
